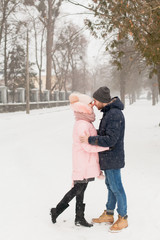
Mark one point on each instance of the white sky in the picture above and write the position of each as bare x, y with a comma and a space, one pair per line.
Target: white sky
96, 46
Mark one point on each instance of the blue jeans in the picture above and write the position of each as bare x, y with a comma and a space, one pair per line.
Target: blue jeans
116, 193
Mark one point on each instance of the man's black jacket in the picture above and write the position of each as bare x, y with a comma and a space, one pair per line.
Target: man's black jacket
111, 134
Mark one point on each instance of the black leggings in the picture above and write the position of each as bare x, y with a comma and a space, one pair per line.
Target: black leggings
77, 191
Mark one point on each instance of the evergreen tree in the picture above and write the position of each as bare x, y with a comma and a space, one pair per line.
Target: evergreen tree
17, 70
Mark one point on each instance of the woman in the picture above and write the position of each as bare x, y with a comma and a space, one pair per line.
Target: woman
85, 159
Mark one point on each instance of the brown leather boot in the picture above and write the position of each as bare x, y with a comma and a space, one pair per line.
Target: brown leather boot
120, 224
106, 218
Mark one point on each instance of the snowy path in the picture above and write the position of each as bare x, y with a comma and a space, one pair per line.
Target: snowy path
35, 172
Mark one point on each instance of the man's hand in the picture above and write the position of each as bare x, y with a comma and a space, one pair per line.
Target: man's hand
84, 139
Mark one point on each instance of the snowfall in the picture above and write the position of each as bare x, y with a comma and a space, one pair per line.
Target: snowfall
35, 173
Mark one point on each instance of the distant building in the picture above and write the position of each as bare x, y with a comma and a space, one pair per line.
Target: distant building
35, 81
43, 85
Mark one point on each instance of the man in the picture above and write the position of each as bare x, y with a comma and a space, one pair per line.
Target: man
111, 134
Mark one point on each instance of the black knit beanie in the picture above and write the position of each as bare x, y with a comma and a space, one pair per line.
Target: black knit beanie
102, 95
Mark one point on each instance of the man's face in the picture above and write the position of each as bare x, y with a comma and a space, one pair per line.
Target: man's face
98, 104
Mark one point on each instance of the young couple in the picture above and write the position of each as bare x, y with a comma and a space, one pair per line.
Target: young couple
108, 143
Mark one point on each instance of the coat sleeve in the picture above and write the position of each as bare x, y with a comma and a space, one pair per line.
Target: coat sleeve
82, 130
112, 132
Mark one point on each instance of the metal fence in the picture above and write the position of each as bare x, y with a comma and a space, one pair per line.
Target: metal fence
16, 101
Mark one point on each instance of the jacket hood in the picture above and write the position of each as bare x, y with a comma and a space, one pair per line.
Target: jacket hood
115, 104
81, 107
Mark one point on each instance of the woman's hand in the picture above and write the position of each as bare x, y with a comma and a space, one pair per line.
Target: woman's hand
101, 176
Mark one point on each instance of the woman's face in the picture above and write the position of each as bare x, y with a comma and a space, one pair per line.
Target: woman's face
91, 104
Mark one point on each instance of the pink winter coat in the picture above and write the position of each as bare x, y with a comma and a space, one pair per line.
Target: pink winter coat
85, 156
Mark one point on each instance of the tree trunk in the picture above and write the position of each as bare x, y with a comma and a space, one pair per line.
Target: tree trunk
40, 85
49, 47
153, 93
132, 97
122, 87
5, 56
158, 77
27, 76
153, 99
73, 77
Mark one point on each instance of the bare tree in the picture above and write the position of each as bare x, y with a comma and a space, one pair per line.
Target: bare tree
39, 34
7, 7
48, 10
69, 57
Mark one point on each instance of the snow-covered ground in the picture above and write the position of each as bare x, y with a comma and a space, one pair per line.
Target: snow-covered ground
35, 173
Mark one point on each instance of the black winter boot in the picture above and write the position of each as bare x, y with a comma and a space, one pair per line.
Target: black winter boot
55, 212
80, 220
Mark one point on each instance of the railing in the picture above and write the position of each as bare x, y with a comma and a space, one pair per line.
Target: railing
10, 102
